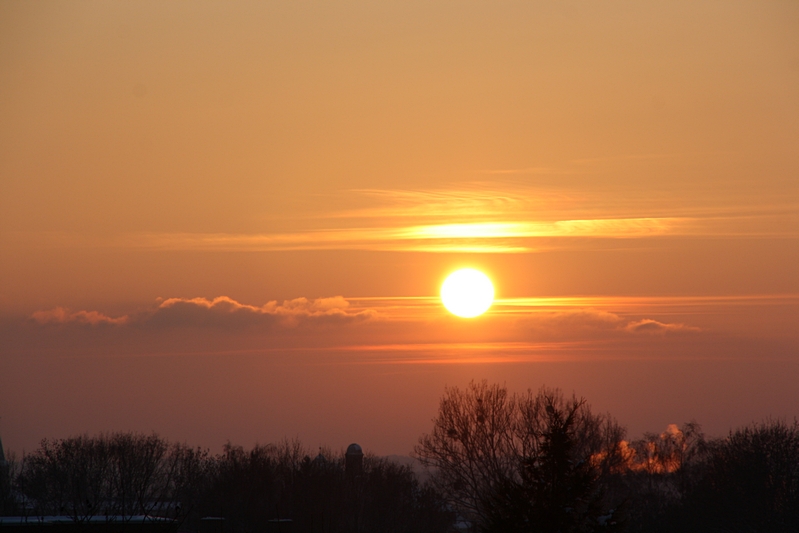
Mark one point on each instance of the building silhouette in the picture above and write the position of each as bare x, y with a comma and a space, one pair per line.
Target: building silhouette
353, 460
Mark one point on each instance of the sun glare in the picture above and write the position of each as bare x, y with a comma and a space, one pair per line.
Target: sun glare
467, 293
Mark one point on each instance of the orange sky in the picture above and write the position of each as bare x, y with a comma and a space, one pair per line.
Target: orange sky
230, 220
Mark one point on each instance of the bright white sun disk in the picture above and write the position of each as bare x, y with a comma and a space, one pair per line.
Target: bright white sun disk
467, 293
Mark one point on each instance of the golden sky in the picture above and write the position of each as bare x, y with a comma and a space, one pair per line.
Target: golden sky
230, 220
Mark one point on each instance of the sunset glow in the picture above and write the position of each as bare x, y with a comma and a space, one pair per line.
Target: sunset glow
249, 221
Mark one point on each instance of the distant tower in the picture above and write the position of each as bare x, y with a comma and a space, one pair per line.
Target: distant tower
353, 460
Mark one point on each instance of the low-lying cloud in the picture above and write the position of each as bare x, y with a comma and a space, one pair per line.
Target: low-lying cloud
63, 315
583, 321
221, 311
653, 327
227, 311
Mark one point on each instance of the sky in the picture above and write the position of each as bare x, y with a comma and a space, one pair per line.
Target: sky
229, 221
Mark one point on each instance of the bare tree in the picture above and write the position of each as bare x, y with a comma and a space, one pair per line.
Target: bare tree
68, 476
506, 460
118, 475
472, 446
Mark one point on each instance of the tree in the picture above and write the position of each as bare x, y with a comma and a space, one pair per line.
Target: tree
252, 487
394, 501
8, 472
751, 482
118, 475
67, 477
661, 470
529, 462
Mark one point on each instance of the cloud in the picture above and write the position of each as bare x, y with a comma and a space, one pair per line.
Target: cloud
221, 311
586, 321
653, 327
62, 315
472, 217
466, 201
503, 236
587, 318
576, 319
224, 310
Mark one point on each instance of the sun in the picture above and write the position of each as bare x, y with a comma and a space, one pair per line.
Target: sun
467, 293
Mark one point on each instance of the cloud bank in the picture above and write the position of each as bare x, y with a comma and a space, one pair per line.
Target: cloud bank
221, 311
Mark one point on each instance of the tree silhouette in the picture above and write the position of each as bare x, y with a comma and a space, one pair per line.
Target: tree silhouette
117, 475
529, 462
751, 482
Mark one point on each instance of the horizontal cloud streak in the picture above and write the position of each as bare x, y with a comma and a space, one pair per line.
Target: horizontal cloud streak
579, 323
465, 202
657, 328
471, 218
559, 316
225, 311
221, 311
629, 313
497, 237
411, 330
62, 315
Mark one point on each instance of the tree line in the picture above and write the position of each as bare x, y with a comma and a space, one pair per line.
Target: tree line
496, 461
123, 475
